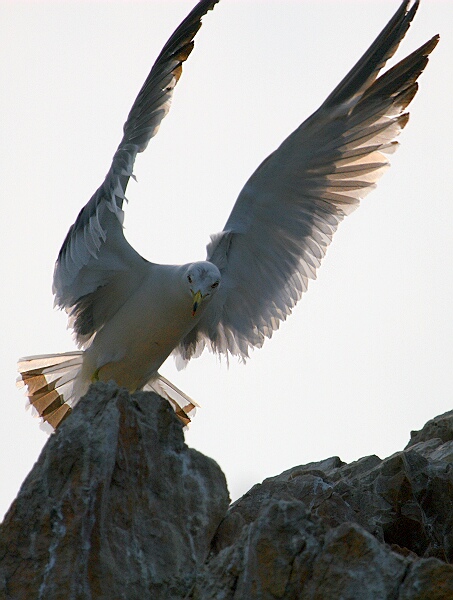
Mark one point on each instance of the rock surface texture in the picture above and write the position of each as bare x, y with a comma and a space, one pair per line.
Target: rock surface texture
373, 529
118, 507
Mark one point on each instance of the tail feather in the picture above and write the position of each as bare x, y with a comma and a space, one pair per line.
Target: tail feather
45, 402
183, 405
49, 382
48, 362
58, 415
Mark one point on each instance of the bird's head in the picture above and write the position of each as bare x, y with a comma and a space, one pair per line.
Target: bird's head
203, 280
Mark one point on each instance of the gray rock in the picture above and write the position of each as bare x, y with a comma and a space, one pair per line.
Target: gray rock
116, 507
439, 428
372, 529
405, 500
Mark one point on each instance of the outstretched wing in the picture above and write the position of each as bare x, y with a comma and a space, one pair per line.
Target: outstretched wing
288, 211
97, 269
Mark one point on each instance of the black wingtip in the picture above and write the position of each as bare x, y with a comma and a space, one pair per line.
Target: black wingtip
367, 69
402, 76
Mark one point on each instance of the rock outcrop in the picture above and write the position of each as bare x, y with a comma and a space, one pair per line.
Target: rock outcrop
118, 507
373, 529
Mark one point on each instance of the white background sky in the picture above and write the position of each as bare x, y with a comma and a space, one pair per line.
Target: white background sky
367, 354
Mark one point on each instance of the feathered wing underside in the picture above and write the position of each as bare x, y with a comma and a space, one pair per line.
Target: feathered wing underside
96, 268
288, 211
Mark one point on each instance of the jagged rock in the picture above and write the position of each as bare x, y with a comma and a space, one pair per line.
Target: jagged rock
372, 529
440, 428
116, 507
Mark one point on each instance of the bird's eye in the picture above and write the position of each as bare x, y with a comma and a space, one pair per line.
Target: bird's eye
189, 278
214, 285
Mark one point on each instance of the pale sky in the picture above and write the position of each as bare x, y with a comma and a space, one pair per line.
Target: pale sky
368, 353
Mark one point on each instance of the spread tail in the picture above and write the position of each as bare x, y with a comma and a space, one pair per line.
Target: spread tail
49, 382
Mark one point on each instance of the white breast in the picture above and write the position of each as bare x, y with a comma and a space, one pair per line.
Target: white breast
140, 336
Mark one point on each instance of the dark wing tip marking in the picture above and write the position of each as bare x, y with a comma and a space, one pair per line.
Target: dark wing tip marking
166, 70
367, 68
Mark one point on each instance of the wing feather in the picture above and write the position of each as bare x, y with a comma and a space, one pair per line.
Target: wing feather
288, 211
95, 253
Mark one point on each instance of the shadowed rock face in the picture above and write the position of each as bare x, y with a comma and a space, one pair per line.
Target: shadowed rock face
117, 507
372, 529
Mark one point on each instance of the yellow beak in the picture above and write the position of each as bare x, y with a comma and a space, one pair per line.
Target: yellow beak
197, 298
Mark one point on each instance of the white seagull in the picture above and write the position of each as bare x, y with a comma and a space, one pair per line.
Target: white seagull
128, 314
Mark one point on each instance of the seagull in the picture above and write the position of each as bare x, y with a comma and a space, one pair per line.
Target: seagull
129, 314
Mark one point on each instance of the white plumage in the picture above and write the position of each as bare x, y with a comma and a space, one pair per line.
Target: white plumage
129, 314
